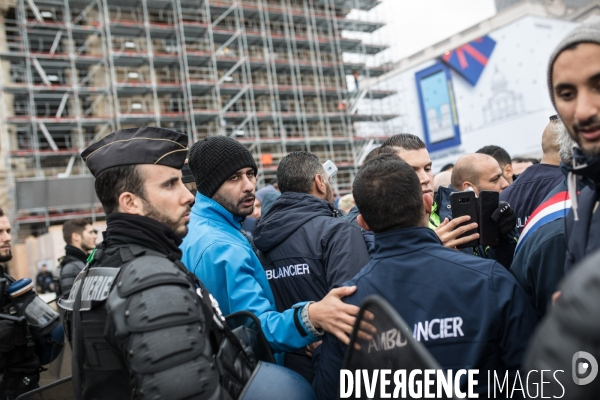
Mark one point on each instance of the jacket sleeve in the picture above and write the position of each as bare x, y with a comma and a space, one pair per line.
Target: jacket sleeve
516, 318
539, 267
248, 289
570, 327
327, 362
345, 254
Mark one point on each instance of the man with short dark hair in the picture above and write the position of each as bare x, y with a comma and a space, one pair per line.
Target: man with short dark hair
429, 285
219, 254
80, 236
413, 150
305, 249
503, 158
137, 325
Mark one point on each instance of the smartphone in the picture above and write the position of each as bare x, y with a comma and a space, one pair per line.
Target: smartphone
489, 231
465, 203
330, 168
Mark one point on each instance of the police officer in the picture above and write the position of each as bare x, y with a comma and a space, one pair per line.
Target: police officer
19, 364
138, 328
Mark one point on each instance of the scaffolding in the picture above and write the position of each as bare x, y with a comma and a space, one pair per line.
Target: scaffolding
269, 73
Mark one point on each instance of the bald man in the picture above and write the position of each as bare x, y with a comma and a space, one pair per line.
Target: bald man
442, 179
534, 184
479, 172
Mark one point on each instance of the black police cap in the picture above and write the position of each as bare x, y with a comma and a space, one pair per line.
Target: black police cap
145, 145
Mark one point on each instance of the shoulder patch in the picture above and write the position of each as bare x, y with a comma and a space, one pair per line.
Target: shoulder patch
95, 287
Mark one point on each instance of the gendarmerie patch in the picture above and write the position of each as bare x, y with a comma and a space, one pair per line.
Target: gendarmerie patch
96, 287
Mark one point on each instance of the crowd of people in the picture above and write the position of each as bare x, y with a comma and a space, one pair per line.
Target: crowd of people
146, 318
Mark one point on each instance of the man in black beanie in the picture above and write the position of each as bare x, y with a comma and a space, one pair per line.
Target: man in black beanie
221, 256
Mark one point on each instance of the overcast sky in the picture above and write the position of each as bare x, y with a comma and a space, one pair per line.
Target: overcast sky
412, 25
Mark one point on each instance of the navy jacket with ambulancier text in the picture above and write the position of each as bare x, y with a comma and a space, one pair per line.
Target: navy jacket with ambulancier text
485, 317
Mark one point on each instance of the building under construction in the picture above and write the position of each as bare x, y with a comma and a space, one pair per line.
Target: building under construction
269, 73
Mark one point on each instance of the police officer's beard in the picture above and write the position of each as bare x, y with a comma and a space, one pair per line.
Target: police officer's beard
174, 224
6, 255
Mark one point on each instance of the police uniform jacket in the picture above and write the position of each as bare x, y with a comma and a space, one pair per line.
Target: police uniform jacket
136, 324
468, 312
71, 266
306, 251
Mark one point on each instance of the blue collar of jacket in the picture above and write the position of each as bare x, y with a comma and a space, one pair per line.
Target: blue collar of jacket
402, 241
442, 199
205, 207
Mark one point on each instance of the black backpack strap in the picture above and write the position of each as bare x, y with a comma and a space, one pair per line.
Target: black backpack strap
77, 332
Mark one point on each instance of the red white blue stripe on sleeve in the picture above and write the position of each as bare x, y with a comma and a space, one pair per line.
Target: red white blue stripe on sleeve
554, 208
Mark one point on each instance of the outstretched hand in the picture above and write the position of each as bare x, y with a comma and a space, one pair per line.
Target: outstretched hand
448, 231
336, 317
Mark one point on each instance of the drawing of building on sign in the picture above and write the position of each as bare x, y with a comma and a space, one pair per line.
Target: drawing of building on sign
440, 122
504, 103
436, 101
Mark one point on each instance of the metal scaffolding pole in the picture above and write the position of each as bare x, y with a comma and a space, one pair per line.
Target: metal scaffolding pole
22, 18
150, 50
184, 69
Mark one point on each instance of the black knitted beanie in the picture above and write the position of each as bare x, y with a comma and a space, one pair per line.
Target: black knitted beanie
214, 159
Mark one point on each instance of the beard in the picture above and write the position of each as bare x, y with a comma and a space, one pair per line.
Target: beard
594, 151
329, 194
174, 224
6, 256
235, 206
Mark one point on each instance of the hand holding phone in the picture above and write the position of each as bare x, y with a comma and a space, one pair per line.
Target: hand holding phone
465, 203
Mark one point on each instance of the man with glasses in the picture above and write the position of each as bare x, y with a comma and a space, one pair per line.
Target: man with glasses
80, 236
304, 248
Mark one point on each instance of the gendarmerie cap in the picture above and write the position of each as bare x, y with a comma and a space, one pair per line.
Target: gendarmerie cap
145, 145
